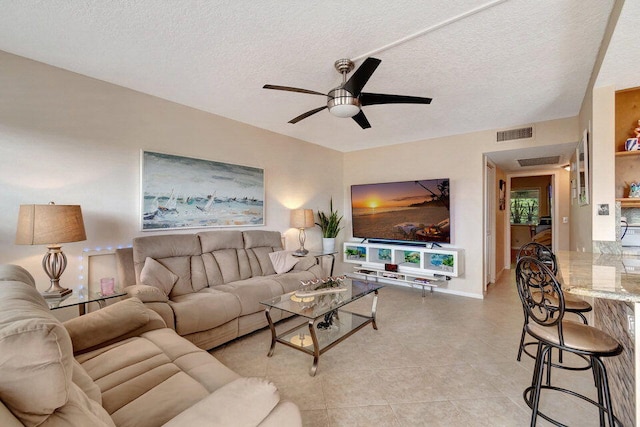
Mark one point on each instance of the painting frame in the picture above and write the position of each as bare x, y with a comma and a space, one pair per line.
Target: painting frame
181, 192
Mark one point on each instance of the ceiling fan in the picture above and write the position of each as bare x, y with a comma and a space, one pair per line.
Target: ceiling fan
347, 99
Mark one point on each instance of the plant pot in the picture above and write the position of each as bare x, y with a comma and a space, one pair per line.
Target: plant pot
328, 244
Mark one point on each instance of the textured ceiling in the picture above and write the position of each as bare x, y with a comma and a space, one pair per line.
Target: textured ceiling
513, 62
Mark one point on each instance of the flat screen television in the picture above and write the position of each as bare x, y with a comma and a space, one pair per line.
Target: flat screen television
413, 211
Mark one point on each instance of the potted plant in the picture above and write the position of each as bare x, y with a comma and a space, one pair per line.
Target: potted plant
330, 226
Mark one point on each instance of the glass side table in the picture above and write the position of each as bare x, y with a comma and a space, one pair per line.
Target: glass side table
320, 254
82, 301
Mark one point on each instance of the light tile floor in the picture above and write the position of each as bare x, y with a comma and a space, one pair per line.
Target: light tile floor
442, 360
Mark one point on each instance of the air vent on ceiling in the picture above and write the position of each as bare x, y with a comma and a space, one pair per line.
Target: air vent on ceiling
513, 134
539, 161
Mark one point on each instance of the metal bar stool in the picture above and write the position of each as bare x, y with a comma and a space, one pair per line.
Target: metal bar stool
546, 323
572, 304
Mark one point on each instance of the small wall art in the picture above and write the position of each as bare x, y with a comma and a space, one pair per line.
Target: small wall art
184, 192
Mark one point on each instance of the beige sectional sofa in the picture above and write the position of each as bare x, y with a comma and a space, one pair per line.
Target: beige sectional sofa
208, 286
118, 366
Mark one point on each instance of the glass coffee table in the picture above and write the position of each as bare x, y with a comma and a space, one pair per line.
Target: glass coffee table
328, 322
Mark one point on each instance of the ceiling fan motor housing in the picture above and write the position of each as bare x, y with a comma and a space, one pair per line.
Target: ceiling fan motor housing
342, 103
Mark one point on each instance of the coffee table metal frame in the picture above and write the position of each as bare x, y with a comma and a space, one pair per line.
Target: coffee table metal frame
323, 340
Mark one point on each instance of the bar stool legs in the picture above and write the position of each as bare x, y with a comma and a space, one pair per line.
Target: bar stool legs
532, 394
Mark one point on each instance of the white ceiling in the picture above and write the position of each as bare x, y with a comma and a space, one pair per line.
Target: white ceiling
512, 62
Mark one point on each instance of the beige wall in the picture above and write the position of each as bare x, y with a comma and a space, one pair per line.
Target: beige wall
77, 140
73, 139
459, 158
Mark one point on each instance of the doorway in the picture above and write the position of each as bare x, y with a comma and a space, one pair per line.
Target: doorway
489, 225
531, 211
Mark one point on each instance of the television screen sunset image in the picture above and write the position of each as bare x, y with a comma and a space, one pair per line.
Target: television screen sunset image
408, 210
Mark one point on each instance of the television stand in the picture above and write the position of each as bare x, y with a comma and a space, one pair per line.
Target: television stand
377, 275
416, 266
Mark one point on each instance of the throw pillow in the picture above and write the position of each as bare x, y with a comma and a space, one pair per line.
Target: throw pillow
283, 261
155, 274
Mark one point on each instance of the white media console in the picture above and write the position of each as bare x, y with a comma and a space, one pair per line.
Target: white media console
416, 265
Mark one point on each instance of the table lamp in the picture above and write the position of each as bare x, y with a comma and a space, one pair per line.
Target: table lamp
51, 225
301, 219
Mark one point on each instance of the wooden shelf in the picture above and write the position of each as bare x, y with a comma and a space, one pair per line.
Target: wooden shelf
628, 153
627, 202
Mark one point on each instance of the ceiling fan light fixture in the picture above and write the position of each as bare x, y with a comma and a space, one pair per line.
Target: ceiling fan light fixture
343, 104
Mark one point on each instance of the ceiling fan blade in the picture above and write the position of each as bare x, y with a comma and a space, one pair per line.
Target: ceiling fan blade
361, 76
380, 98
293, 89
307, 114
361, 119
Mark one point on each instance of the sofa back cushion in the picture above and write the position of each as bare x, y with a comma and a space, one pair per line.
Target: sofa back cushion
179, 253
259, 244
229, 256
36, 356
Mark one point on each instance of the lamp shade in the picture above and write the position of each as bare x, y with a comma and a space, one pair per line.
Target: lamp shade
49, 224
302, 218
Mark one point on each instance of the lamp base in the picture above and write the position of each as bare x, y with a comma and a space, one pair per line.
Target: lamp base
300, 252
56, 293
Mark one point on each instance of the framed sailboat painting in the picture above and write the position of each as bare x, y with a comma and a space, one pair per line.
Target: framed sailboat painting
184, 192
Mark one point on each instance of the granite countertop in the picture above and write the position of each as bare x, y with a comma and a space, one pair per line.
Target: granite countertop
615, 277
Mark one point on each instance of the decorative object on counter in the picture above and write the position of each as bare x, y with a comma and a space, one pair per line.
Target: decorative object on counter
330, 226
301, 219
634, 190
328, 285
51, 225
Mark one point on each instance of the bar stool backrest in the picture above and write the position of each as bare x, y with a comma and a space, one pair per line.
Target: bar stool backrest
540, 252
540, 293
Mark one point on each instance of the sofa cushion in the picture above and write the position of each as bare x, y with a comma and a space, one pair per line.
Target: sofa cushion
157, 275
252, 291
283, 261
180, 253
259, 238
226, 265
204, 310
221, 239
106, 324
148, 380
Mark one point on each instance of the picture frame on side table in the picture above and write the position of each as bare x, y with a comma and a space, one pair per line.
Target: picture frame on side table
183, 192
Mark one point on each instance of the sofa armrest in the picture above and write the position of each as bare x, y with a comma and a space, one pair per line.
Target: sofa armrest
243, 402
122, 319
146, 293
305, 263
